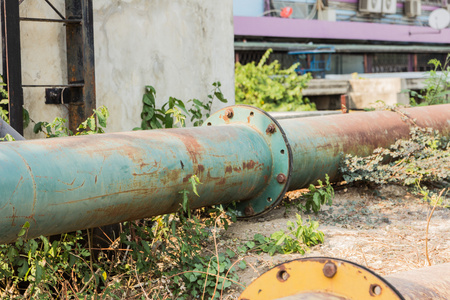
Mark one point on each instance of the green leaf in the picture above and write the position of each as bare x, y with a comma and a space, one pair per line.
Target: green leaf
230, 253
101, 119
192, 277
23, 269
37, 127
39, 273
91, 123
220, 96
250, 244
197, 102
146, 247
242, 264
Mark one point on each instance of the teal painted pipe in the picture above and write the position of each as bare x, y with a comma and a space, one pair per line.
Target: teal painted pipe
242, 154
65, 184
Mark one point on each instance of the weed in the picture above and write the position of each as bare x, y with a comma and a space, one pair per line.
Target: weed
436, 85
4, 101
165, 256
58, 128
174, 111
318, 196
436, 200
7, 138
297, 239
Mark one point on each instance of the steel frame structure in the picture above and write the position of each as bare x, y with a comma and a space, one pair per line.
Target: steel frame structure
79, 92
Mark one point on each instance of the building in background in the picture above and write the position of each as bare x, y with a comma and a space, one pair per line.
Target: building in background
367, 36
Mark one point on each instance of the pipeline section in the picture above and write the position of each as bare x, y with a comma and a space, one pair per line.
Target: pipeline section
316, 278
241, 155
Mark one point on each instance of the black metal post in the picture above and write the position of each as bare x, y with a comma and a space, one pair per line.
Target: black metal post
12, 65
80, 61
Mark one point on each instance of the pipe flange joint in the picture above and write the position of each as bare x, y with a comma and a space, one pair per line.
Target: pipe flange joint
278, 183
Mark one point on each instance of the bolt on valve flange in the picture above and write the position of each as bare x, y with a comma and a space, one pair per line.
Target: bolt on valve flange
267, 127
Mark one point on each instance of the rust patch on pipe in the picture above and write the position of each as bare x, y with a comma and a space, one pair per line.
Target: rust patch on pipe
229, 113
186, 178
73, 189
249, 165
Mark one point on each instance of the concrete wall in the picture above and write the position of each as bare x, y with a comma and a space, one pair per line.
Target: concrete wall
365, 93
180, 47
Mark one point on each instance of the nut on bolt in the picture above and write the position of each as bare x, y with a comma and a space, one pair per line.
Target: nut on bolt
329, 270
281, 178
249, 211
270, 129
229, 114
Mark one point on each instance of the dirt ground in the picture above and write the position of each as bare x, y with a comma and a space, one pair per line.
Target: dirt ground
383, 230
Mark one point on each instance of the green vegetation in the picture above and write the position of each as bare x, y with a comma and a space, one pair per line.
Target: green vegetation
437, 85
174, 111
423, 159
165, 256
297, 239
58, 128
3, 101
271, 88
318, 196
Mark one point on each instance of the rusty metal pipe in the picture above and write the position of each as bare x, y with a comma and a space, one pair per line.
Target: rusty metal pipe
319, 143
426, 283
242, 154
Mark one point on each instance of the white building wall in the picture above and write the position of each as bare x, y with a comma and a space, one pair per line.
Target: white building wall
179, 46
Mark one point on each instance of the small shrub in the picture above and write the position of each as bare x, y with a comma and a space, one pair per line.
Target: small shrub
297, 239
174, 111
424, 158
437, 85
271, 88
318, 196
58, 128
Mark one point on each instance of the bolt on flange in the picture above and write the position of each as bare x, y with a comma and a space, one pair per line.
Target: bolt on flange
329, 270
271, 129
281, 178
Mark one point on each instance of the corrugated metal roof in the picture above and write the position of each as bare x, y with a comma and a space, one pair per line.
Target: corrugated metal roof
343, 48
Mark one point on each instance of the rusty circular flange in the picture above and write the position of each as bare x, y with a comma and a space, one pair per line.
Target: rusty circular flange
320, 278
277, 141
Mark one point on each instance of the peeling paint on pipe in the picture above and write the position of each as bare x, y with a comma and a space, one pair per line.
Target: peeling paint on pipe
67, 184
